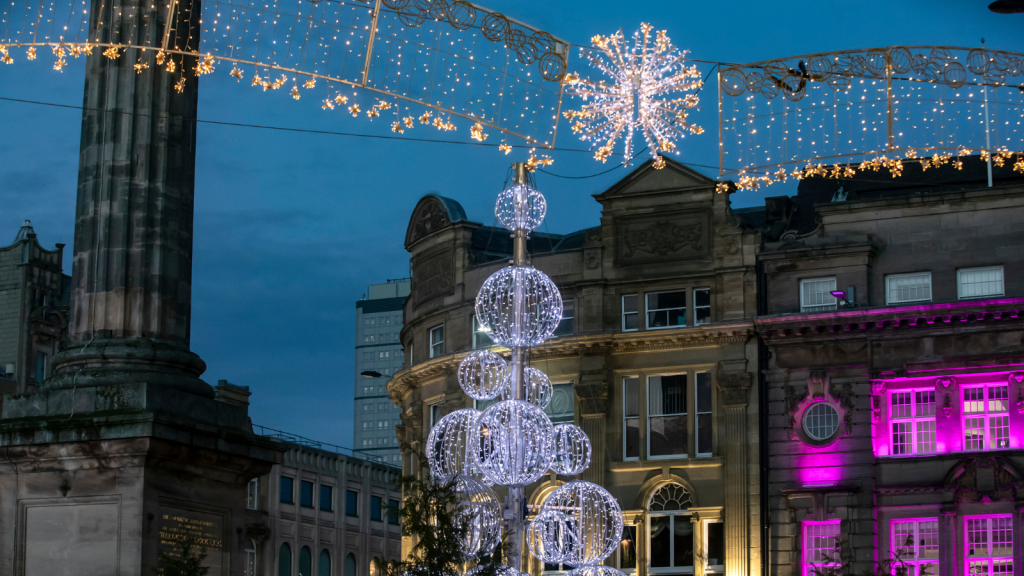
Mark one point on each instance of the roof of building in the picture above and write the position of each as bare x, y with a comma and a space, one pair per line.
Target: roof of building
26, 229
381, 305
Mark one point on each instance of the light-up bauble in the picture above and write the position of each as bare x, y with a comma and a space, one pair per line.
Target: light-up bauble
479, 514
538, 390
521, 306
483, 375
448, 445
594, 517
571, 453
548, 536
512, 443
520, 208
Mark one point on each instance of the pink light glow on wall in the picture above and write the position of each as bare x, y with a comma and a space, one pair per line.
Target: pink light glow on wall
822, 469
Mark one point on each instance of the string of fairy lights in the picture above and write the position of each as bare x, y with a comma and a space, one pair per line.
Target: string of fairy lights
446, 65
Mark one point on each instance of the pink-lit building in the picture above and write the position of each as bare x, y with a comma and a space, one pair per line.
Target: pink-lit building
892, 322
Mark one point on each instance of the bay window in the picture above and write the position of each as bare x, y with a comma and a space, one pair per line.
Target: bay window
912, 414
991, 417
988, 543
916, 544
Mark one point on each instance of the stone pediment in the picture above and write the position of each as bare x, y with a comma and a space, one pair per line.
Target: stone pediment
645, 180
432, 214
983, 479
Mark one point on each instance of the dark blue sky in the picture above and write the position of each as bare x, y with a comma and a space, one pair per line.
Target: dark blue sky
290, 228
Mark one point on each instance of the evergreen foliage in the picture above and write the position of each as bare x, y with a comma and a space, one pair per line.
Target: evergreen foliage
188, 563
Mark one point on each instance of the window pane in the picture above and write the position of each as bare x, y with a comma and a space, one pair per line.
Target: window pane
683, 553
375, 508
666, 300
306, 494
627, 548
561, 408
565, 324
909, 288
999, 432
325, 498
928, 540
820, 541
393, 512
667, 435
815, 295
998, 399
703, 392
704, 434
661, 541
925, 403
629, 303
716, 544
350, 503
631, 397
305, 562
630, 321
286, 489
323, 564
702, 297
976, 282
284, 561
632, 438
667, 394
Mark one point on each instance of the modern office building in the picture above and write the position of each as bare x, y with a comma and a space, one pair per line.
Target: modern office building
655, 359
378, 356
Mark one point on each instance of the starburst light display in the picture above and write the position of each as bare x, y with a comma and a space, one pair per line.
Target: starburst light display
650, 92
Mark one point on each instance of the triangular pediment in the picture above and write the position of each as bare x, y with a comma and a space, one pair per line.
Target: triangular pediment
646, 179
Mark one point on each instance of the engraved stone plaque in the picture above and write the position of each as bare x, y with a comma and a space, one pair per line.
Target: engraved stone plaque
77, 539
662, 238
207, 530
434, 277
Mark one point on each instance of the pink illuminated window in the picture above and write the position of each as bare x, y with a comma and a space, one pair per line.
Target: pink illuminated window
989, 545
912, 419
820, 542
916, 544
986, 422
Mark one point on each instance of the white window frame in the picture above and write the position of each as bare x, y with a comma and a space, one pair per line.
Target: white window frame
710, 568
697, 413
988, 558
960, 285
626, 418
436, 406
804, 307
252, 493
696, 322
647, 310
635, 313
686, 453
572, 319
989, 413
250, 562
435, 343
912, 557
673, 516
806, 564
889, 289
915, 420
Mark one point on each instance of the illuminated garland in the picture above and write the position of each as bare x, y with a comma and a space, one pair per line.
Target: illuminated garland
893, 165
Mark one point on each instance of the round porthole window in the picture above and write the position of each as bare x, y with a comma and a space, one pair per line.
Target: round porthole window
821, 421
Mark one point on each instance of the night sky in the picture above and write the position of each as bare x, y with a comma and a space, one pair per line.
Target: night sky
290, 228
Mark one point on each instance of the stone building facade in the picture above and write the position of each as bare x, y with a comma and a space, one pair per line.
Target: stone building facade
655, 359
895, 411
34, 297
378, 357
322, 513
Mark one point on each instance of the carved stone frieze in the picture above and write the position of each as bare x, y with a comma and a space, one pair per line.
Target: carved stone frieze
434, 277
984, 479
877, 399
643, 240
1016, 380
429, 217
945, 392
592, 258
734, 387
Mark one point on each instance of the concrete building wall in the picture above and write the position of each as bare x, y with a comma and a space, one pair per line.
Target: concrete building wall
330, 526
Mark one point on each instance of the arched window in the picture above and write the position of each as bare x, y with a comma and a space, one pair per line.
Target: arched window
670, 532
323, 564
350, 565
284, 561
305, 562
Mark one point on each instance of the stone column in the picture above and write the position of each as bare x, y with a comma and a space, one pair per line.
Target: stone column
132, 269
948, 527
1018, 533
735, 389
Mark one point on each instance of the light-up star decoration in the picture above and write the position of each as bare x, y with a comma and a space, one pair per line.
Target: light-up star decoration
649, 93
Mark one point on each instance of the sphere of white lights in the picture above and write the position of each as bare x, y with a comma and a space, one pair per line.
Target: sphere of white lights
593, 516
521, 306
512, 443
549, 537
479, 513
598, 570
520, 208
448, 445
571, 453
538, 388
483, 375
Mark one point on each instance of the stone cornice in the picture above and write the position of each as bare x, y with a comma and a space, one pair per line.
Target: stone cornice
720, 334
861, 321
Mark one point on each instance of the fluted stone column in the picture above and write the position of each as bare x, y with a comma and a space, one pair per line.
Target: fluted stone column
735, 389
132, 269
592, 392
